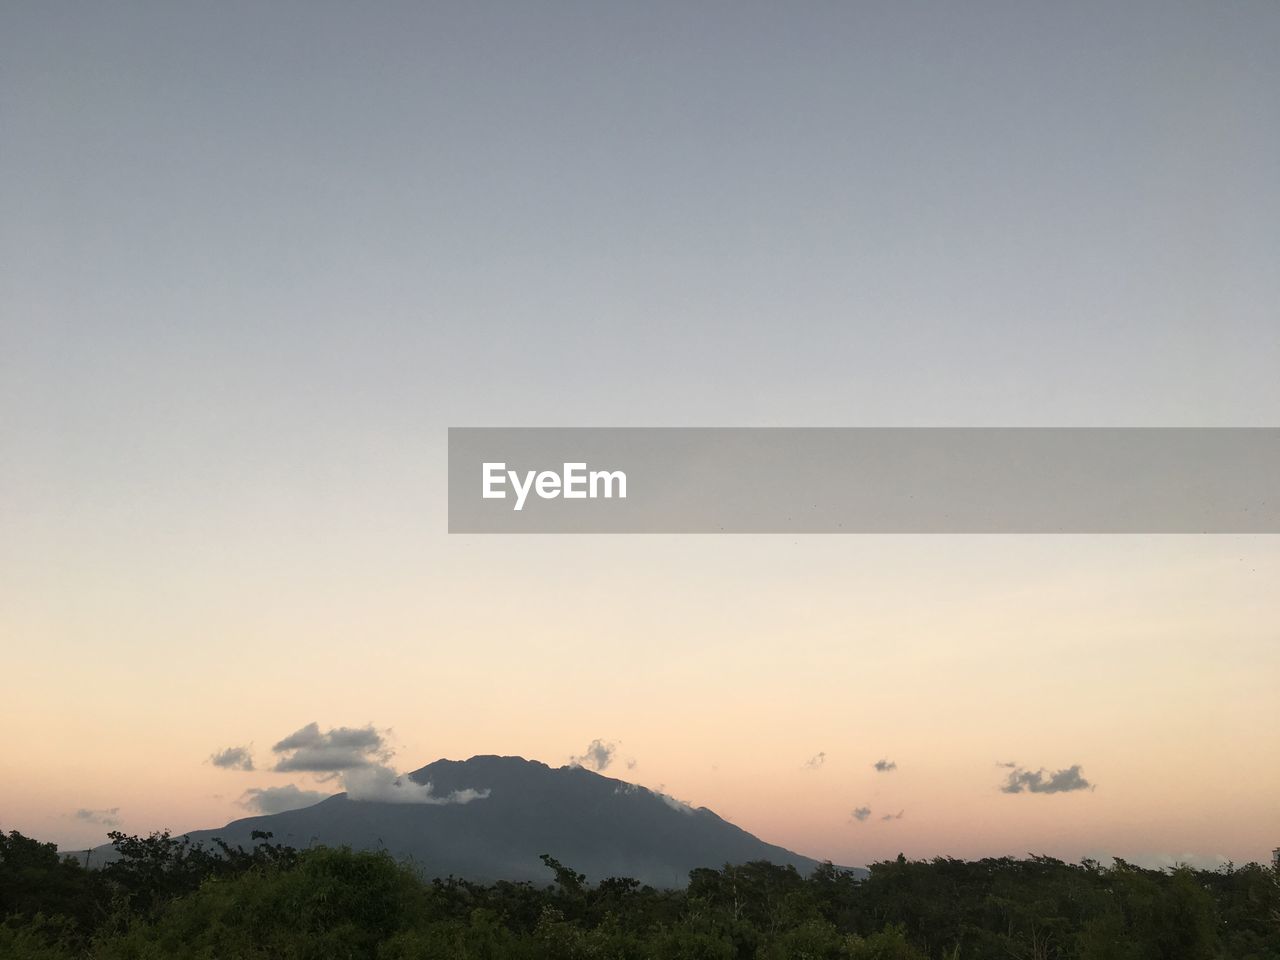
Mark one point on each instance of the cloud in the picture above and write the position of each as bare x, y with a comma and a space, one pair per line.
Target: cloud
816, 761
338, 750
356, 757
1033, 781
232, 758
861, 813
598, 756
683, 806
893, 816
107, 818
1009, 765
380, 784
280, 799
885, 766
624, 789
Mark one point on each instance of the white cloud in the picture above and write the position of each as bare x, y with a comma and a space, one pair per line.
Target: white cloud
673, 803
381, 784
598, 755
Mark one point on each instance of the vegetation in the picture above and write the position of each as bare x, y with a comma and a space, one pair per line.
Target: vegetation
164, 898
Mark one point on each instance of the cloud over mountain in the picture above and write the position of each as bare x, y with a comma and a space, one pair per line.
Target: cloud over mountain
381, 784
339, 749
358, 757
279, 799
598, 755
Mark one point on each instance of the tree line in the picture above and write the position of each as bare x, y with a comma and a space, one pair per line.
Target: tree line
163, 898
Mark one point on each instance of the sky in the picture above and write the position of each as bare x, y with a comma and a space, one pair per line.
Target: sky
256, 258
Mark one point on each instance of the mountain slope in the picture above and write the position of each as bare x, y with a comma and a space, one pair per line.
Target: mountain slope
597, 825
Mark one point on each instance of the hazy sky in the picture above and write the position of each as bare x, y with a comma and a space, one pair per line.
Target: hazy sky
255, 258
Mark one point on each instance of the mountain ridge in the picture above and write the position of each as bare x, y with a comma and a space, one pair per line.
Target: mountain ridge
490, 818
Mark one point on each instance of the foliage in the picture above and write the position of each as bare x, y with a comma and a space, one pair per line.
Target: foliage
163, 897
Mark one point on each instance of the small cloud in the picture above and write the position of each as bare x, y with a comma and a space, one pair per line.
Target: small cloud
1035, 781
885, 766
893, 816
861, 813
381, 784
680, 805
631, 763
1010, 765
337, 750
279, 799
816, 761
232, 758
107, 818
598, 756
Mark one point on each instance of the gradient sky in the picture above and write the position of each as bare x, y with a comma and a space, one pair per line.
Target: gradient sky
255, 258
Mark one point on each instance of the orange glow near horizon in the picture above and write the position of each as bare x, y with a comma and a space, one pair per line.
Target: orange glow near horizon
720, 669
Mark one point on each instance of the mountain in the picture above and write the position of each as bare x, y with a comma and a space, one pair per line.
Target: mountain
597, 825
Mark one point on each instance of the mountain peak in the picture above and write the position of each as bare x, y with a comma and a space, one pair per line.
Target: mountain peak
491, 817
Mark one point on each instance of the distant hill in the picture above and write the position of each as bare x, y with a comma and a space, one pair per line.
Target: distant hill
597, 825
